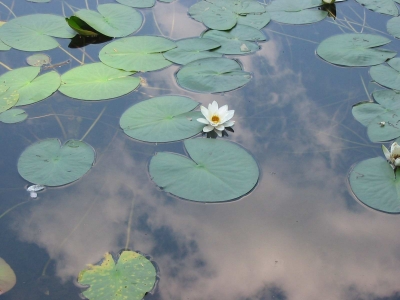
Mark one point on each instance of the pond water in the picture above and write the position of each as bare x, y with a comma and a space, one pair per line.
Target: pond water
299, 234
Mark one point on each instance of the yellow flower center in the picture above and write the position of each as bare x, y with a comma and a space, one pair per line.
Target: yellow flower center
215, 119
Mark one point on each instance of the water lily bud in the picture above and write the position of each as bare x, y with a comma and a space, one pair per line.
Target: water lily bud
328, 1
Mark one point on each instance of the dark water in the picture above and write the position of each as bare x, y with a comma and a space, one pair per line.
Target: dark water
300, 234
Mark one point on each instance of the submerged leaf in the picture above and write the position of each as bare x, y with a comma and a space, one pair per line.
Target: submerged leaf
130, 278
355, 49
7, 277
212, 75
216, 171
162, 119
49, 163
38, 60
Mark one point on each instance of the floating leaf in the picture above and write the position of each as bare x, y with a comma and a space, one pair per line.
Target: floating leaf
387, 7
130, 278
376, 184
237, 40
239, 7
138, 3
35, 32
162, 119
386, 110
355, 49
7, 277
30, 88
39, 1
81, 27
192, 49
393, 27
114, 20
48, 163
212, 75
137, 53
217, 171
255, 20
387, 76
11, 116
97, 82
298, 17
8, 98
38, 60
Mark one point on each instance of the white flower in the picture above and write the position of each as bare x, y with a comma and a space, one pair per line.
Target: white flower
33, 189
393, 157
328, 1
216, 119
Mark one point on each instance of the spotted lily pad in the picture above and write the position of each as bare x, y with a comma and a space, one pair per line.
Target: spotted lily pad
137, 53
8, 97
114, 20
35, 32
162, 119
7, 277
12, 116
355, 49
192, 49
49, 163
387, 76
212, 75
382, 118
38, 60
216, 171
97, 82
31, 87
376, 184
130, 278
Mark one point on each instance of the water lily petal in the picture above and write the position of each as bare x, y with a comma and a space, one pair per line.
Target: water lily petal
220, 127
33, 195
204, 111
397, 162
229, 114
229, 123
218, 132
222, 110
204, 121
208, 128
386, 152
213, 107
395, 150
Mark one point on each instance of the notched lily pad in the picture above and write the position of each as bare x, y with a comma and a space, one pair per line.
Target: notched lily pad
12, 116
7, 277
212, 75
162, 119
49, 163
376, 184
387, 7
387, 76
216, 171
130, 278
382, 118
355, 49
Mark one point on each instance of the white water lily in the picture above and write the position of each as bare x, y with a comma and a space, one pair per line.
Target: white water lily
393, 157
33, 189
328, 1
216, 118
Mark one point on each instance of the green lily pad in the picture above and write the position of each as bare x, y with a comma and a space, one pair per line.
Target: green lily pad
137, 53
355, 49
7, 277
387, 76
213, 16
8, 98
307, 16
130, 278
38, 60
393, 27
31, 88
35, 32
81, 27
386, 110
218, 171
114, 20
12, 116
212, 75
376, 184
49, 163
138, 3
162, 119
237, 40
192, 49
255, 20
387, 7
97, 82
39, 1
